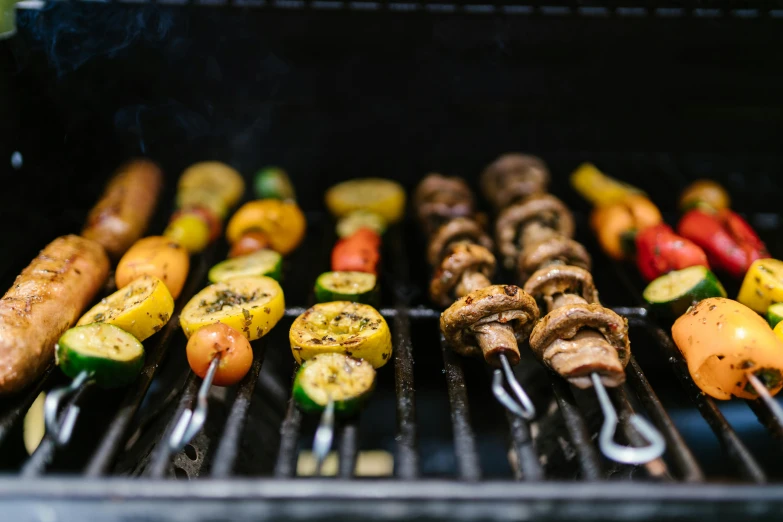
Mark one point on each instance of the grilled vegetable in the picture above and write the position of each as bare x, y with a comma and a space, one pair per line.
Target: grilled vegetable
730, 243
659, 251
125, 209
349, 224
598, 188
109, 354
345, 380
358, 253
190, 231
156, 256
247, 244
723, 342
775, 314
251, 305
203, 198
763, 285
353, 329
261, 263
44, 301
220, 340
141, 308
380, 196
281, 221
704, 194
210, 182
359, 287
673, 293
273, 183
213, 221
614, 221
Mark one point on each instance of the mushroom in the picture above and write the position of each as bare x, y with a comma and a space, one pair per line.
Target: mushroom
557, 249
439, 198
466, 267
534, 220
579, 339
567, 284
457, 230
490, 321
512, 177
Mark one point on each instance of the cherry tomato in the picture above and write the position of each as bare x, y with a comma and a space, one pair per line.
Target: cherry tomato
357, 253
249, 242
190, 231
236, 355
209, 217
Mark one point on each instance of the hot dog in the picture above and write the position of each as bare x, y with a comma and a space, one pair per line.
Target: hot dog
45, 300
125, 209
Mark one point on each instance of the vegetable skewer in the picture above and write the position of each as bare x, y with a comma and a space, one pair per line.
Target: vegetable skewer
485, 320
105, 348
582, 341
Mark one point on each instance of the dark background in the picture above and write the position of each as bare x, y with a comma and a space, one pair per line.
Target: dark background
335, 95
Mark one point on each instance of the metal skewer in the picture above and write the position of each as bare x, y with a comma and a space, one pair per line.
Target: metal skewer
765, 396
192, 420
617, 452
324, 436
524, 408
61, 431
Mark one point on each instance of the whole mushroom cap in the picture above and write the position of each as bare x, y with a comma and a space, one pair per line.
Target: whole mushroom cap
561, 279
456, 229
513, 176
462, 257
557, 248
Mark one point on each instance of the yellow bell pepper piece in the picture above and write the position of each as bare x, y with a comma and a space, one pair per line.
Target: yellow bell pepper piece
251, 305
598, 188
763, 285
141, 308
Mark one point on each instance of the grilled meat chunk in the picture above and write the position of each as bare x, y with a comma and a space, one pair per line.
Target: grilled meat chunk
45, 300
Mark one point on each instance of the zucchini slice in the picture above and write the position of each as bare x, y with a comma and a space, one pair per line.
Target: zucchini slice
353, 329
141, 308
349, 224
263, 262
673, 293
112, 356
251, 305
359, 287
775, 314
273, 183
347, 381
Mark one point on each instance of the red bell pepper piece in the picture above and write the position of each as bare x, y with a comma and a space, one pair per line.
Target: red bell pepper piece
358, 252
659, 251
730, 243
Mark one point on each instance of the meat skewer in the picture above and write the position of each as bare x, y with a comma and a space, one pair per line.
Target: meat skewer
579, 339
481, 319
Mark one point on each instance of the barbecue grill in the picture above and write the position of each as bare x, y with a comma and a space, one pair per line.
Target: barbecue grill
655, 94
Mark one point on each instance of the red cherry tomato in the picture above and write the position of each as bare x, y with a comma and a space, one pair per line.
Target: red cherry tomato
236, 355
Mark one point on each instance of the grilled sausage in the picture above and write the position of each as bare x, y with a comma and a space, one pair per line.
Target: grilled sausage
45, 300
125, 209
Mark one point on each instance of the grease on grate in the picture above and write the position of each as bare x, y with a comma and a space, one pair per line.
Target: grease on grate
368, 464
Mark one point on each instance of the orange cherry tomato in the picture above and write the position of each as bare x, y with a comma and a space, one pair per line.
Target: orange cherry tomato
282, 221
236, 355
157, 256
357, 253
249, 242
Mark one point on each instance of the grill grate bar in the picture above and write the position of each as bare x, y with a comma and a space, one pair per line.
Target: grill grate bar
690, 471
20, 405
589, 460
406, 459
767, 418
230, 439
348, 448
468, 466
289, 442
162, 454
734, 447
528, 467
655, 468
114, 438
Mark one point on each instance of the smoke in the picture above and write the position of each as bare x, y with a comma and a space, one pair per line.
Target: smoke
72, 34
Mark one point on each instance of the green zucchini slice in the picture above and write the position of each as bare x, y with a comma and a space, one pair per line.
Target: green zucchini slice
263, 262
672, 294
775, 314
273, 183
357, 287
111, 356
347, 381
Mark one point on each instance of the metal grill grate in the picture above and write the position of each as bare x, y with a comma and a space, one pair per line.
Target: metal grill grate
403, 315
